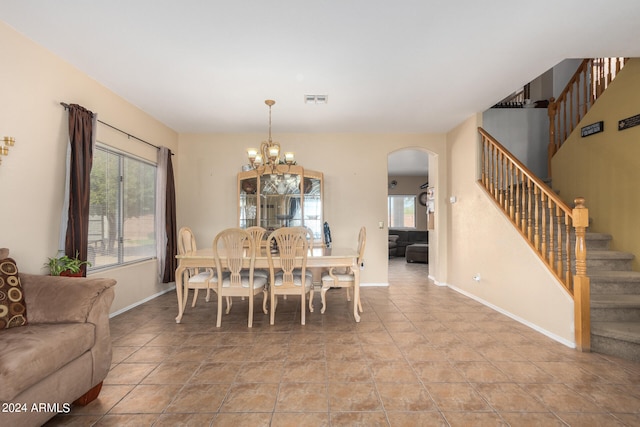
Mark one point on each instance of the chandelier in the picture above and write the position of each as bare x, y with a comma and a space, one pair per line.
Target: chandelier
268, 157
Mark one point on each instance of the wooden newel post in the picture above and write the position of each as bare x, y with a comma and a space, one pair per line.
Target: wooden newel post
581, 283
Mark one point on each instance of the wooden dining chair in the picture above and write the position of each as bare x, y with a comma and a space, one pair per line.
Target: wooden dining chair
310, 237
310, 242
234, 251
196, 278
258, 233
345, 278
287, 268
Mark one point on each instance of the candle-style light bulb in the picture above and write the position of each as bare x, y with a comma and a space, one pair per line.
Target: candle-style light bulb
289, 158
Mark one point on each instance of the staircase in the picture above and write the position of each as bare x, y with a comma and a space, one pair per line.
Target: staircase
606, 291
545, 221
589, 81
615, 299
614, 287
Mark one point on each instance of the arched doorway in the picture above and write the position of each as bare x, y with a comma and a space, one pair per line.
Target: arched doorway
408, 177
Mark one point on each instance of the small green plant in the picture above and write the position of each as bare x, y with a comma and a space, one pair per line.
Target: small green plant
62, 265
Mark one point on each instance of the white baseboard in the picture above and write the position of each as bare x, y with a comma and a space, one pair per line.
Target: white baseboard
173, 288
435, 282
518, 319
370, 284
149, 298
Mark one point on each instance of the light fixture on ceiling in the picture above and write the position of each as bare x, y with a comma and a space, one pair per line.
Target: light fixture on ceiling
268, 157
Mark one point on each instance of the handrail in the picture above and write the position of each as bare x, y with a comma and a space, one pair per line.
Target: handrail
544, 220
591, 78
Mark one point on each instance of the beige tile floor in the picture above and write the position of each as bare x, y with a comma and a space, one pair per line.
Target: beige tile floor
422, 355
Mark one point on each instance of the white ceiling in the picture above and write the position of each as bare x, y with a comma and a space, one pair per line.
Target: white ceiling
386, 66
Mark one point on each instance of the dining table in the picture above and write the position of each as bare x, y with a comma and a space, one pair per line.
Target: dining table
318, 257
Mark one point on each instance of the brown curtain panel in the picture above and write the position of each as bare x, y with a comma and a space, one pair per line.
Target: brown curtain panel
171, 263
81, 124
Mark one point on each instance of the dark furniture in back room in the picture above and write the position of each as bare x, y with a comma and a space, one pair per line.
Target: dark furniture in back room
408, 237
393, 245
418, 252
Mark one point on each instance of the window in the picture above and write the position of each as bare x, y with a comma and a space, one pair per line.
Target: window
402, 211
122, 209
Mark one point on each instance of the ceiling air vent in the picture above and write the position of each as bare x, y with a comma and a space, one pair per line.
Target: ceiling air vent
315, 99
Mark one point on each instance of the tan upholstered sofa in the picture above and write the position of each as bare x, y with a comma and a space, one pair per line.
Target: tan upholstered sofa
63, 353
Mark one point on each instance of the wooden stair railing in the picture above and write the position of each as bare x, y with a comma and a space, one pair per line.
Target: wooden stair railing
591, 78
545, 221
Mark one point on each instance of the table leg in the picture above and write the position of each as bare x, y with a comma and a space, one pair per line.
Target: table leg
323, 297
356, 291
179, 285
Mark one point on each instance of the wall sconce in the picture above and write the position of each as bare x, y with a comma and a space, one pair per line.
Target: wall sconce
9, 141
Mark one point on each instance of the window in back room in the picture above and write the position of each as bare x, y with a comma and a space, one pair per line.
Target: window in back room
402, 211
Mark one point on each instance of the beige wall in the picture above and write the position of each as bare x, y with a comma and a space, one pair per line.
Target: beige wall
33, 82
410, 186
482, 241
604, 168
469, 236
355, 184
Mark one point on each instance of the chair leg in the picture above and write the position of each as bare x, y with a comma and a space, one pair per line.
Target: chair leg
250, 322
219, 315
348, 294
265, 297
185, 298
274, 303
229, 303
208, 295
311, 299
323, 296
303, 308
195, 298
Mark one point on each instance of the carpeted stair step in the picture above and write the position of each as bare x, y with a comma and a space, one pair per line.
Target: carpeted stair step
595, 241
615, 282
608, 260
621, 339
615, 308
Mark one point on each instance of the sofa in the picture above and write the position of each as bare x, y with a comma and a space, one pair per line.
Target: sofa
418, 252
62, 354
408, 237
393, 245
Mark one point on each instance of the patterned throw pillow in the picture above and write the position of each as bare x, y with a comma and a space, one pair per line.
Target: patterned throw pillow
13, 310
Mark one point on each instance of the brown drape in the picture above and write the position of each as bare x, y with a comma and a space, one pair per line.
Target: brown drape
171, 263
81, 140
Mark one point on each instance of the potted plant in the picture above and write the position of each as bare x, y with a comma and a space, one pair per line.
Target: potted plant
66, 266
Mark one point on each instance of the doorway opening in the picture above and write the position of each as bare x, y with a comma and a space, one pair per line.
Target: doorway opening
407, 205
